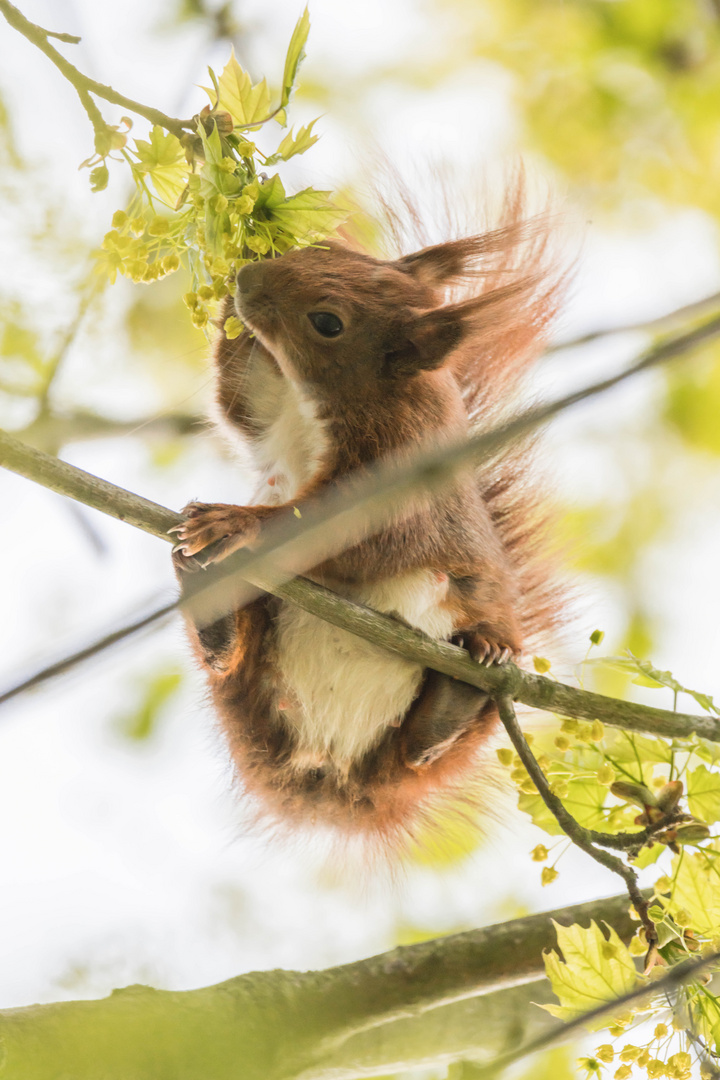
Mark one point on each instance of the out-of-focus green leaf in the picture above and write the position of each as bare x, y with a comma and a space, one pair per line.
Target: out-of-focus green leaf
446, 840
692, 405
141, 724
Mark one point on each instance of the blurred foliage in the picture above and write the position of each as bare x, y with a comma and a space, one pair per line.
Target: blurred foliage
620, 94
155, 693
692, 405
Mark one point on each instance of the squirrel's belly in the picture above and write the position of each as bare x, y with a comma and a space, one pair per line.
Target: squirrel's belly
340, 692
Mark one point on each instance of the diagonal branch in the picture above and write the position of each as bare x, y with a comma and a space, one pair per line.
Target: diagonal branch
331, 523
707, 305
261, 569
84, 85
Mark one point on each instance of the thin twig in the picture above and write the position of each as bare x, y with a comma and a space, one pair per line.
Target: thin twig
677, 977
85, 85
580, 836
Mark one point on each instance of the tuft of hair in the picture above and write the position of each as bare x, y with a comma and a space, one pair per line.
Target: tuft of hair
508, 281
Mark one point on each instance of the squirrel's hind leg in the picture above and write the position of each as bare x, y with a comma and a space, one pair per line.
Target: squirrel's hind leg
444, 709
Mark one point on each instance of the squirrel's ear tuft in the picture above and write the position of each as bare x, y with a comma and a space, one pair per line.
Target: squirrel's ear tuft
435, 266
424, 343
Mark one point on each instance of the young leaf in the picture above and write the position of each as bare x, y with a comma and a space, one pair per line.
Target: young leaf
163, 159
595, 970
696, 888
247, 104
294, 144
309, 214
703, 793
295, 56
647, 675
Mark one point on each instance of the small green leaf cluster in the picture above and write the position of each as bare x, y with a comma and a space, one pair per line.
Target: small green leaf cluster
204, 201
604, 777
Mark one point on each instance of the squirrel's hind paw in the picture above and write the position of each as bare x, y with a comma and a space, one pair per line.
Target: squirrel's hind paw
487, 650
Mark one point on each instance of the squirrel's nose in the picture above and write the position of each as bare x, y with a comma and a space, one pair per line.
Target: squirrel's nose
249, 278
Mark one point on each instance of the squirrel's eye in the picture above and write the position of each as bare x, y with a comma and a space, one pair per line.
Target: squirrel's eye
326, 323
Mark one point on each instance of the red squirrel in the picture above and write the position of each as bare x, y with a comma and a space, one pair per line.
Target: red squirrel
346, 360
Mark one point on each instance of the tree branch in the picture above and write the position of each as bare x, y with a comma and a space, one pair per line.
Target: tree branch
403, 1007
85, 85
267, 569
706, 305
381, 630
585, 839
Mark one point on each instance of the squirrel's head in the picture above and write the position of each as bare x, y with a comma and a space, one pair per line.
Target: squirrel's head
331, 316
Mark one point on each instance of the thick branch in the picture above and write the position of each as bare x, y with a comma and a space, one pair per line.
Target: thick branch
401, 1008
85, 85
261, 569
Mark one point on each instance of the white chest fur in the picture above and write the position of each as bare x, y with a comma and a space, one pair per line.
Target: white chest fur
293, 443
343, 692
340, 692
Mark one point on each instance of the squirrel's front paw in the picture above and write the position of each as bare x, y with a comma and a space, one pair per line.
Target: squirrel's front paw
216, 530
487, 649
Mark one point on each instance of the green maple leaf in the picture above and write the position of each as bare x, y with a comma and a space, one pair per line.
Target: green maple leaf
596, 969
294, 144
696, 888
309, 214
247, 104
703, 792
163, 159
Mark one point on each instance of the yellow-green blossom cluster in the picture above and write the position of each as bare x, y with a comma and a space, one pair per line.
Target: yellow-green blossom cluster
206, 202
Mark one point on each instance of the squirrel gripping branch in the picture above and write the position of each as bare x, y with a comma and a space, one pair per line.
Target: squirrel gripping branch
346, 361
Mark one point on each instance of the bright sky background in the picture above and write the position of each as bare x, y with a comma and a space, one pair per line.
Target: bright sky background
128, 862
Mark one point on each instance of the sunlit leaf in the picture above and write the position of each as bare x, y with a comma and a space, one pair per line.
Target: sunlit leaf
294, 144
309, 214
247, 104
696, 889
295, 56
163, 159
596, 969
703, 794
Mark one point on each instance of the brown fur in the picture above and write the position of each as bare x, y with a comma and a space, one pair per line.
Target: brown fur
434, 345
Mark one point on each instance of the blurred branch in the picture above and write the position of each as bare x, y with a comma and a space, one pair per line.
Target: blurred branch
50, 431
288, 544
90, 289
86, 86
403, 1008
707, 305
